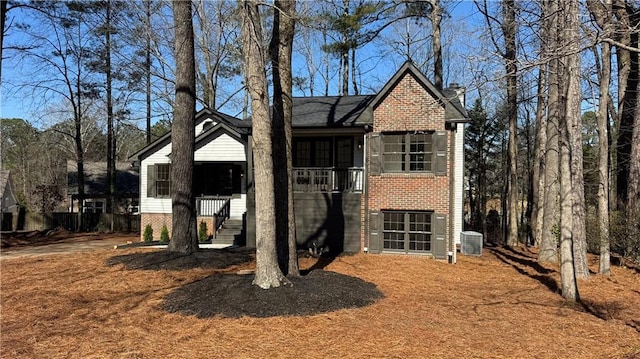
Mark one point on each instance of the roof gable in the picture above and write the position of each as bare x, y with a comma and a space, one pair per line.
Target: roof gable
239, 127
454, 110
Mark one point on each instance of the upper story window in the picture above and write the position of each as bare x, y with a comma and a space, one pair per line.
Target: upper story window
409, 152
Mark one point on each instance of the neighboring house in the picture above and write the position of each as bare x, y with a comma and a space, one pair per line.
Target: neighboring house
9, 207
9, 200
376, 173
96, 184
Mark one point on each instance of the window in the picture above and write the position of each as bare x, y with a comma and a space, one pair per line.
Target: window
408, 152
163, 184
407, 231
312, 152
93, 206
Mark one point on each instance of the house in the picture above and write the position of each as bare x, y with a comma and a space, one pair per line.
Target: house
96, 184
9, 206
375, 173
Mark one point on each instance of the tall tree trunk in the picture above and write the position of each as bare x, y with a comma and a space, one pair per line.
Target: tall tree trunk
111, 151
603, 159
184, 235
3, 18
551, 213
345, 56
633, 200
147, 65
573, 115
603, 13
280, 49
509, 31
569, 184
268, 273
537, 216
436, 43
354, 77
627, 62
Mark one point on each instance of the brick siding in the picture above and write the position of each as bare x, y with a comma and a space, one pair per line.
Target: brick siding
157, 220
409, 107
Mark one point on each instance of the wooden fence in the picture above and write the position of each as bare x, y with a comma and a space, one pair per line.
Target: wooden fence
91, 222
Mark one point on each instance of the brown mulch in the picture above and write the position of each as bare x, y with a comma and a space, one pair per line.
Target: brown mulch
146, 303
19, 239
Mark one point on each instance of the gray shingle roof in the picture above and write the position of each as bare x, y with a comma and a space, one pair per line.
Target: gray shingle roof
331, 111
95, 179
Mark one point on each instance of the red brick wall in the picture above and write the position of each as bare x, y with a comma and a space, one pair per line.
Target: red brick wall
409, 107
157, 220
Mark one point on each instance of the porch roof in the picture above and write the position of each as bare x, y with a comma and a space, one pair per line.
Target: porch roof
332, 111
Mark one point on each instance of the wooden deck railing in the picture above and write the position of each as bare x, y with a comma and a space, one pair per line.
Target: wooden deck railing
323, 179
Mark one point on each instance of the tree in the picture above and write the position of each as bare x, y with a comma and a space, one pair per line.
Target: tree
280, 50
184, 235
268, 273
61, 45
508, 54
350, 26
551, 206
218, 57
480, 143
573, 115
603, 16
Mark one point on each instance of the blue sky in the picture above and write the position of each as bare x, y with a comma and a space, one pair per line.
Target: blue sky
376, 67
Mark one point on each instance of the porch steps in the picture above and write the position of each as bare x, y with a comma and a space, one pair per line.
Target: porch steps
230, 233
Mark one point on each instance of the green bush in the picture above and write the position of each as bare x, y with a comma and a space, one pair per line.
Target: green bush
203, 234
148, 233
164, 234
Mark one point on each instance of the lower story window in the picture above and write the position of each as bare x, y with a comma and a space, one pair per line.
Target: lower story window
407, 231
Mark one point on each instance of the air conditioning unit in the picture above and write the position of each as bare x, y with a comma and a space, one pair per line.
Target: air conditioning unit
471, 243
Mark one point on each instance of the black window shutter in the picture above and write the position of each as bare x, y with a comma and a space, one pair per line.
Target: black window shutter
439, 235
440, 153
375, 160
151, 181
375, 231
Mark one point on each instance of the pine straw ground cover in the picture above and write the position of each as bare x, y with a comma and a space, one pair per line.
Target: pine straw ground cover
144, 303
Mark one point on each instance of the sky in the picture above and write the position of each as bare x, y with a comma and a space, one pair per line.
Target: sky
379, 67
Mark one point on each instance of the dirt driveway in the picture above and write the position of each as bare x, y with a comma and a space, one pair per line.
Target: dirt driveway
16, 245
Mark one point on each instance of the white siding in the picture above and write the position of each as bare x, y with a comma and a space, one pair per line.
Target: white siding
458, 182
238, 207
223, 149
150, 204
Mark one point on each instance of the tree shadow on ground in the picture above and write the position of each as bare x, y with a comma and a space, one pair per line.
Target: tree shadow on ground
605, 310
234, 296
165, 260
520, 262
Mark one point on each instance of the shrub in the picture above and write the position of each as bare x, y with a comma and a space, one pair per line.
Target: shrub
164, 234
203, 234
148, 233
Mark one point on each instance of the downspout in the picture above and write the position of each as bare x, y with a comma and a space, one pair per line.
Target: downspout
365, 187
451, 255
